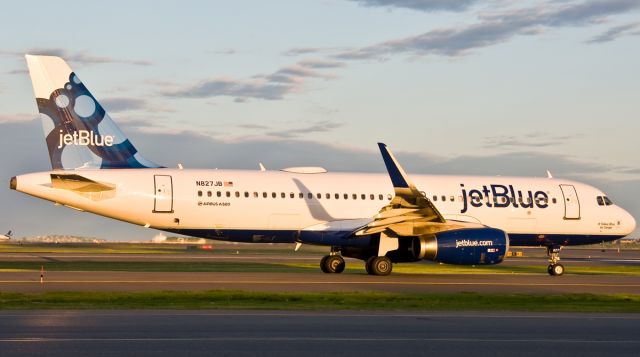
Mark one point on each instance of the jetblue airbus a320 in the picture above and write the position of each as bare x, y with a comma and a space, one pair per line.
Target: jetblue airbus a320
379, 218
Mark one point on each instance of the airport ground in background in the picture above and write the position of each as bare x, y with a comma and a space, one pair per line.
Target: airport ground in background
603, 280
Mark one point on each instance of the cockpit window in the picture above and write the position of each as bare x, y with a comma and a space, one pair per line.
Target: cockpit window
604, 201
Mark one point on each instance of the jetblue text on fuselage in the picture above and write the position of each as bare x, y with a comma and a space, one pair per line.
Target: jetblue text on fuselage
84, 138
503, 196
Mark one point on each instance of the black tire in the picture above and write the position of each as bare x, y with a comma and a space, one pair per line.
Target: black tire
558, 269
323, 264
380, 266
550, 269
367, 265
334, 264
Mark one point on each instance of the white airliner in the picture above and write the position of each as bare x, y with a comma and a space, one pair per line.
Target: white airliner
5, 237
379, 218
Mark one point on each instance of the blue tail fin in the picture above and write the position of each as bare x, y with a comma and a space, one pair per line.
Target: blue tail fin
78, 131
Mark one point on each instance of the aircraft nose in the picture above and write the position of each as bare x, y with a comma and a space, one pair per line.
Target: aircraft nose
628, 223
632, 223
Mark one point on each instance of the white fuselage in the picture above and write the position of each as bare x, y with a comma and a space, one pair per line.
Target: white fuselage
223, 200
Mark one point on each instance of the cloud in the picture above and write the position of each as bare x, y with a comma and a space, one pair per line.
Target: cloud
115, 105
16, 118
18, 71
632, 29
273, 86
226, 51
317, 127
532, 140
494, 28
320, 63
420, 5
80, 57
252, 126
303, 51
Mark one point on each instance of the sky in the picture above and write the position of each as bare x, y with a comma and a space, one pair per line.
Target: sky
452, 86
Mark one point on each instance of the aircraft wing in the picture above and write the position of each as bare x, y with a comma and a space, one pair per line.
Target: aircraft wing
410, 212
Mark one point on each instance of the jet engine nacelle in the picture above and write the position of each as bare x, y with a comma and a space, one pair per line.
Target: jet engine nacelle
472, 246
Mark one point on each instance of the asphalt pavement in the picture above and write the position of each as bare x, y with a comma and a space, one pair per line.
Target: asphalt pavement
331, 333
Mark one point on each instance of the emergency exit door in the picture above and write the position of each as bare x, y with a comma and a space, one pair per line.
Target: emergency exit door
571, 202
163, 194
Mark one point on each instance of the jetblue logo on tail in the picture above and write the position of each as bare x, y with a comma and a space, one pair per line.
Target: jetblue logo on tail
85, 138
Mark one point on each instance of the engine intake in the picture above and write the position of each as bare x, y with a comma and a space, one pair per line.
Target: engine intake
473, 246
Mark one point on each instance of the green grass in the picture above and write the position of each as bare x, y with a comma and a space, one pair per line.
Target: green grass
137, 248
357, 268
218, 299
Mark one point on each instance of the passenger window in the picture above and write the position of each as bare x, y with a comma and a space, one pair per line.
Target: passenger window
274, 195
264, 194
452, 199
372, 196
208, 193
255, 195
363, 196
346, 196
228, 193
355, 196
380, 197
301, 195
283, 195
246, 194
319, 196
554, 200
237, 193
435, 198
389, 197
337, 196
199, 193
292, 195
444, 198
219, 194
310, 195
328, 195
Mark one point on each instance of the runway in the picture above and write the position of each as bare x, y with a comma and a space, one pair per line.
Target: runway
276, 275
335, 333
317, 282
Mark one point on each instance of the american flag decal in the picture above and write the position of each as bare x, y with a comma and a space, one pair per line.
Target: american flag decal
228, 184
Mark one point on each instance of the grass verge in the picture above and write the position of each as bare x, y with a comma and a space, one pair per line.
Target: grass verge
221, 266
220, 299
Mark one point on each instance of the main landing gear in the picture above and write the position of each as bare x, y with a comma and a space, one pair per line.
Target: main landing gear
332, 263
554, 268
378, 266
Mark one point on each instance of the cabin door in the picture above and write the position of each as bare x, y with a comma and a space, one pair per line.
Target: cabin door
163, 194
571, 202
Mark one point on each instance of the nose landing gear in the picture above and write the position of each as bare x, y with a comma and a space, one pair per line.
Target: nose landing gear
554, 268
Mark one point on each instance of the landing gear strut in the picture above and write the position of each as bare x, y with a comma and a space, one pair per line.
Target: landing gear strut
554, 268
332, 263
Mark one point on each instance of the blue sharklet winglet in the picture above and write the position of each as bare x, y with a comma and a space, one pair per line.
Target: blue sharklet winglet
410, 212
398, 176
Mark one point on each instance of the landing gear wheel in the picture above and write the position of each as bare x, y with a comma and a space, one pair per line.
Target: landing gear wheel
555, 269
380, 266
323, 265
332, 264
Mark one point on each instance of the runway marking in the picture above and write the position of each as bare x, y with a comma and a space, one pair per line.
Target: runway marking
311, 339
272, 282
